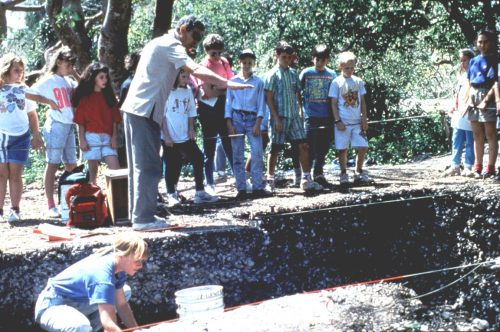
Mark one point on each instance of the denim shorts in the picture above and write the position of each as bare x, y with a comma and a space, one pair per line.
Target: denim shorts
352, 135
14, 149
60, 142
100, 146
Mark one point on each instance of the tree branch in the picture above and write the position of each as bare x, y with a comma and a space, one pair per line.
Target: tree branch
40, 8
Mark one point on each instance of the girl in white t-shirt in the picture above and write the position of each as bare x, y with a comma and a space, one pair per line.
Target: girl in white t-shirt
179, 143
55, 89
17, 117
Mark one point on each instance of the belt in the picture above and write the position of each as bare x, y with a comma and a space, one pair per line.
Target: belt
244, 112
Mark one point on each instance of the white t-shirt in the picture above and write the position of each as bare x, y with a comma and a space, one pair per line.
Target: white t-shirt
458, 121
348, 92
14, 108
178, 109
58, 89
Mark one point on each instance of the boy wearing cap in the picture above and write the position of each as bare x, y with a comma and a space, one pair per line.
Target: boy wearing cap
315, 83
244, 111
282, 90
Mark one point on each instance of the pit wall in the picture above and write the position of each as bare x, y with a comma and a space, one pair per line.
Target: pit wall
291, 253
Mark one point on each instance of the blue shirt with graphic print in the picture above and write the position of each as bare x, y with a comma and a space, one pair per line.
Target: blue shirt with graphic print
315, 86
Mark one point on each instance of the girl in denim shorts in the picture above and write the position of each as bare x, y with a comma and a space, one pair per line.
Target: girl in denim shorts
17, 117
97, 116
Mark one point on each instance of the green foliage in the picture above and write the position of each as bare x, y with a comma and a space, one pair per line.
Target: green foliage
141, 25
67, 18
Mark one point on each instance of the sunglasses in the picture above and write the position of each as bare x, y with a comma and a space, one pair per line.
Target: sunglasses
197, 36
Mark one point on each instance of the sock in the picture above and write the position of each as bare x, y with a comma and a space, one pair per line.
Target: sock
51, 204
270, 177
478, 167
15, 208
199, 192
490, 169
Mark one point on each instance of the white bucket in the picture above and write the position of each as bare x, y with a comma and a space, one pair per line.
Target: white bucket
63, 206
207, 300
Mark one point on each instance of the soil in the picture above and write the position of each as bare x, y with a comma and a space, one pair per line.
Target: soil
426, 176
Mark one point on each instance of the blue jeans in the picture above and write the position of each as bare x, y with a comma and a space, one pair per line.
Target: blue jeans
243, 124
142, 136
220, 157
56, 313
213, 124
459, 139
319, 141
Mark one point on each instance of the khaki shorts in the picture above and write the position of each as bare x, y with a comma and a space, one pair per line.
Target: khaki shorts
489, 114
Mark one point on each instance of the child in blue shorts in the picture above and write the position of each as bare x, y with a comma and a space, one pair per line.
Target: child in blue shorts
282, 87
17, 117
55, 90
244, 113
347, 93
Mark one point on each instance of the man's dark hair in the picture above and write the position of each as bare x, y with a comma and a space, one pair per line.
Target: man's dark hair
283, 47
321, 51
131, 61
213, 41
492, 38
191, 22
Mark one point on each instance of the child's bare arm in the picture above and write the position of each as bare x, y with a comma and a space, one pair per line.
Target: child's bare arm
192, 133
114, 137
336, 115
364, 116
43, 100
272, 109
168, 140
84, 146
299, 104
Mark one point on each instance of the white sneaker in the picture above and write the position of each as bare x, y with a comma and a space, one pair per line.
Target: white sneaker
309, 185
210, 189
362, 177
220, 177
173, 199
203, 197
468, 172
454, 170
249, 186
53, 213
157, 223
344, 178
13, 217
270, 184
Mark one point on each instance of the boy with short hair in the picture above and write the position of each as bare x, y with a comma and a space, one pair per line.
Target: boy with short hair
211, 107
349, 114
315, 82
244, 112
282, 87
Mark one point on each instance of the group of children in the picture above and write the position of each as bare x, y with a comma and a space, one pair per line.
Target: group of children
306, 110
476, 110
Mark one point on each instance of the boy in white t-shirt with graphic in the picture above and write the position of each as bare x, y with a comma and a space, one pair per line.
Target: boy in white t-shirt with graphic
349, 115
55, 89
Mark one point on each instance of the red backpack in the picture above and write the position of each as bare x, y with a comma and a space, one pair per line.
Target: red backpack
87, 206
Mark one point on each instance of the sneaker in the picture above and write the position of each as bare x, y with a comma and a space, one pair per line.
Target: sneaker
13, 216
496, 179
157, 223
322, 181
309, 185
454, 170
344, 178
53, 213
173, 200
220, 177
488, 175
241, 195
249, 186
362, 177
210, 189
477, 174
270, 185
297, 182
203, 197
261, 193
467, 172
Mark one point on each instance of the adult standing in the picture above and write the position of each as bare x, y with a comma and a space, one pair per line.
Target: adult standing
161, 60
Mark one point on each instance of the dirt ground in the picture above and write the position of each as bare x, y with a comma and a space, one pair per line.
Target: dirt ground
423, 176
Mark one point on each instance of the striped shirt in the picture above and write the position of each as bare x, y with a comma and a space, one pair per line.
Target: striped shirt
284, 84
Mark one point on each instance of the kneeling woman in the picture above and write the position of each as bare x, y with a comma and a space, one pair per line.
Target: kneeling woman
88, 294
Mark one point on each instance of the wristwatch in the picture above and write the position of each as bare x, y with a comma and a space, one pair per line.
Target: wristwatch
337, 121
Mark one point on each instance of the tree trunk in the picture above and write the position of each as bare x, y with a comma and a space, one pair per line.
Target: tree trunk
163, 17
67, 20
113, 43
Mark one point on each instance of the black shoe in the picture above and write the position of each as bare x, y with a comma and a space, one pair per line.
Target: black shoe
242, 195
496, 179
261, 193
488, 175
322, 181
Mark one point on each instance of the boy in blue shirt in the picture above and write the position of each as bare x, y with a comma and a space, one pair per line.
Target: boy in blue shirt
349, 114
282, 87
244, 111
315, 82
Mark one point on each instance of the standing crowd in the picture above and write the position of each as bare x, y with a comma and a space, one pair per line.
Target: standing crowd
168, 93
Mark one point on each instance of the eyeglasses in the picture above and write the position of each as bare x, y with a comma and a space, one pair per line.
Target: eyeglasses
214, 53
